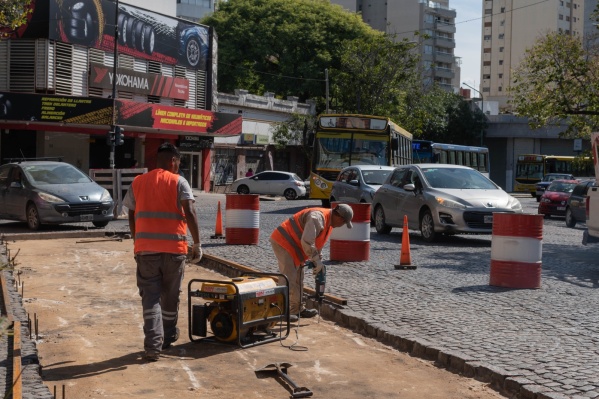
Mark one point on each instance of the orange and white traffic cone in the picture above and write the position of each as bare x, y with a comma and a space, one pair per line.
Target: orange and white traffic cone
218, 229
405, 260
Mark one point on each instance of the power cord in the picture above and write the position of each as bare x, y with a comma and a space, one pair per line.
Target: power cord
293, 346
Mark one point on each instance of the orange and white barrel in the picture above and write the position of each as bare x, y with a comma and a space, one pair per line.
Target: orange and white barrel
352, 245
242, 219
516, 250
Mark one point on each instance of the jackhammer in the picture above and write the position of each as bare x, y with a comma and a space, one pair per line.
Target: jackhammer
320, 281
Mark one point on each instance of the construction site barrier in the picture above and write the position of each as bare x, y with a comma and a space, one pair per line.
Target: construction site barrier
352, 245
516, 250
242, 219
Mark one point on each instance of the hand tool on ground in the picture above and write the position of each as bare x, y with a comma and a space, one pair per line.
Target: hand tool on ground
281, 370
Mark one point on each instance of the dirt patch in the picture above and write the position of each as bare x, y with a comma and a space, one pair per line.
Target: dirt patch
91, 341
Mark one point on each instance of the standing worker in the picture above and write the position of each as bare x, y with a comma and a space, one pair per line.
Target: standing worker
161, 207
301, 238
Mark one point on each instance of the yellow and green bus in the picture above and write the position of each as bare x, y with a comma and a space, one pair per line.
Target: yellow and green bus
344, 140
530, 169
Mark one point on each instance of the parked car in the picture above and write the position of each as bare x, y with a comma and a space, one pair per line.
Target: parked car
359, 183
577, 203
554, 199
546, 181
440, 199
286, 184
47, 192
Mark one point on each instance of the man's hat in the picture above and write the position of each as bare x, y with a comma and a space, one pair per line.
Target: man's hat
346, 213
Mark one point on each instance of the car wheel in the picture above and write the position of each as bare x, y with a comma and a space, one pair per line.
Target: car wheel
290, 194
379, 221
33, 217
570, 221
326, 203
100, 224
538, 198
192, 52
427, 227
243, 189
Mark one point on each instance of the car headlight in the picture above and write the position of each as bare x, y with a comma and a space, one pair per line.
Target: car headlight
546, 200
514, 204
105, 196
449, 203
49, 198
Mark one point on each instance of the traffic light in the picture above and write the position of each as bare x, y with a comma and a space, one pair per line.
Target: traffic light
119, 138
109, 138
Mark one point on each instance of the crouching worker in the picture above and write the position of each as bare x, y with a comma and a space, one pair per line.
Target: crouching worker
301, 238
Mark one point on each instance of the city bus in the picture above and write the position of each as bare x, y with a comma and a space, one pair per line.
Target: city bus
530, 169
425, 151
344, 140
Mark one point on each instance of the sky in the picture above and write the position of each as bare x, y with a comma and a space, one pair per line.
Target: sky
468, 36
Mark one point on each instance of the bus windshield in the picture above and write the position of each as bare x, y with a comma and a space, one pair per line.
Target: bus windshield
339, 152
529, 170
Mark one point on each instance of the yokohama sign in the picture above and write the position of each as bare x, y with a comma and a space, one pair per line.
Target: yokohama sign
138, 82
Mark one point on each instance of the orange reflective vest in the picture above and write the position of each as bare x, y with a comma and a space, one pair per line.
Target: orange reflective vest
160, 224
289, 234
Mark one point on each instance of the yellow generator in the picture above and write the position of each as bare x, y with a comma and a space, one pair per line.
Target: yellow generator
247, 310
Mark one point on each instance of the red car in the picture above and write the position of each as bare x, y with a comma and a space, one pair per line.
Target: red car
554, 199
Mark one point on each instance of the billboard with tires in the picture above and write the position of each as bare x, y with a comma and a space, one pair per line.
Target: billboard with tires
142, 33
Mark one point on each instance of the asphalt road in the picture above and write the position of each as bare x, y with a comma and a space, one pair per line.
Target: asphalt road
542, 340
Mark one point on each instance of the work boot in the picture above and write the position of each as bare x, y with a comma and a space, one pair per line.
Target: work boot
168, 341
308, 313
152, 356
293, 318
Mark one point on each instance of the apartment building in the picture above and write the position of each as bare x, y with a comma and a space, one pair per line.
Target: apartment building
435, 23
510, 27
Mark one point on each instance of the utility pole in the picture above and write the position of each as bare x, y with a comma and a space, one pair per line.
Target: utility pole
326, 79
111, 133
482, 108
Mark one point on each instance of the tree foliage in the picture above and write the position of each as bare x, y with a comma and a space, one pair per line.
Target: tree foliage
13, 13
558, 79
375, 73
282, 46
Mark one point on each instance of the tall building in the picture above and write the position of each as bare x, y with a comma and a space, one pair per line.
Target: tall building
435, 24
510, 27
194, 10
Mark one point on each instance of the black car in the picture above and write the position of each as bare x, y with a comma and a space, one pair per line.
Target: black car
576, 205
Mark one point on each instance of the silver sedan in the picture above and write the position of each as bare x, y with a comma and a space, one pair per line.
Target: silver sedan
440, 199
41, 192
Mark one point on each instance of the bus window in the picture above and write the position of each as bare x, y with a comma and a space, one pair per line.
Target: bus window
452, 157
467, 159
482, 161
442, 157
475, 161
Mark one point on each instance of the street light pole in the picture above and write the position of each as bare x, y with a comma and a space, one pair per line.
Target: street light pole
482, 108
114, 70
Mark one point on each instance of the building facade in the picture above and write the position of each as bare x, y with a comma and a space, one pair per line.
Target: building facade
510, 27
233, 156
435, 23
60, 95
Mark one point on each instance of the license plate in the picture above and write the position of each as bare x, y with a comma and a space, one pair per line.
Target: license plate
561, 208
86, 218
488, 219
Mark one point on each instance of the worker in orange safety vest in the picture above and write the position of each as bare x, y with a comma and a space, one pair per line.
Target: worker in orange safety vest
161, 208
301, 238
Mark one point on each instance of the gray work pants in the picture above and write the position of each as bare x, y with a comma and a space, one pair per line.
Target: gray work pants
294, 274
159, 278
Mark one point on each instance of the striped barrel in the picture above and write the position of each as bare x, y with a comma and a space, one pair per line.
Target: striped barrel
516, 250
242, 219
352, 244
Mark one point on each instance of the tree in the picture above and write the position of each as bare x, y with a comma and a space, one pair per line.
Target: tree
376, 72
13, 13
282, 46
558, 79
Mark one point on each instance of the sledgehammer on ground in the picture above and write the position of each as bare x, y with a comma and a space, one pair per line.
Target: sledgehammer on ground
281, 370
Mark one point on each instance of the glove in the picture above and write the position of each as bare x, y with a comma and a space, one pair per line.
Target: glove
317, 267
196, 253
